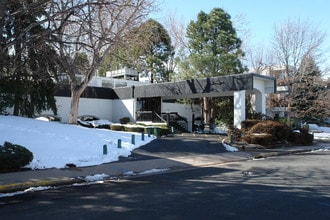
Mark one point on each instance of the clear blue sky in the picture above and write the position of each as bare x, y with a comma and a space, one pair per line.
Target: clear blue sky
260, 15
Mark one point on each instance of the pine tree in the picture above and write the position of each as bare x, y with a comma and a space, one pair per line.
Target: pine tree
309, 92
27, 76
214, 46
147, 49
214, 50
156, 49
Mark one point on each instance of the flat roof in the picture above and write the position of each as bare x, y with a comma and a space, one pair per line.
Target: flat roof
200, 87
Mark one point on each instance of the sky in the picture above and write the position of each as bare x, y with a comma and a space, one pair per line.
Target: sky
260, 15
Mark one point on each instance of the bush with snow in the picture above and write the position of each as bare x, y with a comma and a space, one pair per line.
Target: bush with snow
13, 156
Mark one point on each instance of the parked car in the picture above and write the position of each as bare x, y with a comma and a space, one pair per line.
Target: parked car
48, 118
92, 121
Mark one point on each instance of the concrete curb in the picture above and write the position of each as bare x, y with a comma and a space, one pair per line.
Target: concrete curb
281, 153
16, 187
22, 186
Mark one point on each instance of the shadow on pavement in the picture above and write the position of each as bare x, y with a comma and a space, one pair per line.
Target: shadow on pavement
174, 146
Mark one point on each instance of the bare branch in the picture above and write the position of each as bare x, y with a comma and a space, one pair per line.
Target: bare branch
294, 39
89, 29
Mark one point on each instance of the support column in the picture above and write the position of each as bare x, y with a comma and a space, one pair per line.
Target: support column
260, 102
239, 108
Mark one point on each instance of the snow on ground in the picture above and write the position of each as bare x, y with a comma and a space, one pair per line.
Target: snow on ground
229, 148
31, 189
320, 133
132, 173
96, 177
55, 144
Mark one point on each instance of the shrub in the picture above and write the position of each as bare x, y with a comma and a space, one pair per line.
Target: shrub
117, 127
248, 124
164, 131
268, 133
124, 120
157, 131
279, 131
13, 156
134, 129
235, 132
261, 139
258, 116
149, 130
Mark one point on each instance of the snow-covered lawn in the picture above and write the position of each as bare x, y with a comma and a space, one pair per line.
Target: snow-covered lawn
54, 144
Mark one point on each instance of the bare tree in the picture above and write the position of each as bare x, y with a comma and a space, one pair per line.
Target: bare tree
260, 59
177, 30
244, 32
83, 31
294, 39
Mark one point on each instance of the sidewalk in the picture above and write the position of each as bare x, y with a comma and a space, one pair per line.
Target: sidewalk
19, 181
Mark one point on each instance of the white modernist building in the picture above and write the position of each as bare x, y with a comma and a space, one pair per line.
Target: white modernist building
137, 100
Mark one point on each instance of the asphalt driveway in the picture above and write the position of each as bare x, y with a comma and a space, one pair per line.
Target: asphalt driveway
178, 145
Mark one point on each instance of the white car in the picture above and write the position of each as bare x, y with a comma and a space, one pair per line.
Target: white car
48, 118
92, 121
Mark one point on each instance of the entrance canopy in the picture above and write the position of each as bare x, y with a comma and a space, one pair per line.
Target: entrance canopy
232, 85
203, 87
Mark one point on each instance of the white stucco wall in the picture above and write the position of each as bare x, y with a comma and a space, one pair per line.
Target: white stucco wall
114, 110
123, 108
183, 110
98, 107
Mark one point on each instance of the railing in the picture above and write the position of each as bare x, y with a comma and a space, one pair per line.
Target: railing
149, 116
159, 118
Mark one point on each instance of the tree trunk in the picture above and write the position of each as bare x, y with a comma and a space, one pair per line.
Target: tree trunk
16, 105
206, 110
75, 97
3, 4
17, 95
288, 119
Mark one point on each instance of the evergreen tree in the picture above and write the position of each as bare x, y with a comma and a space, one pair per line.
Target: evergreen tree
214, 46
27, 75
214, 50
308, 95
157, 51
147, 49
